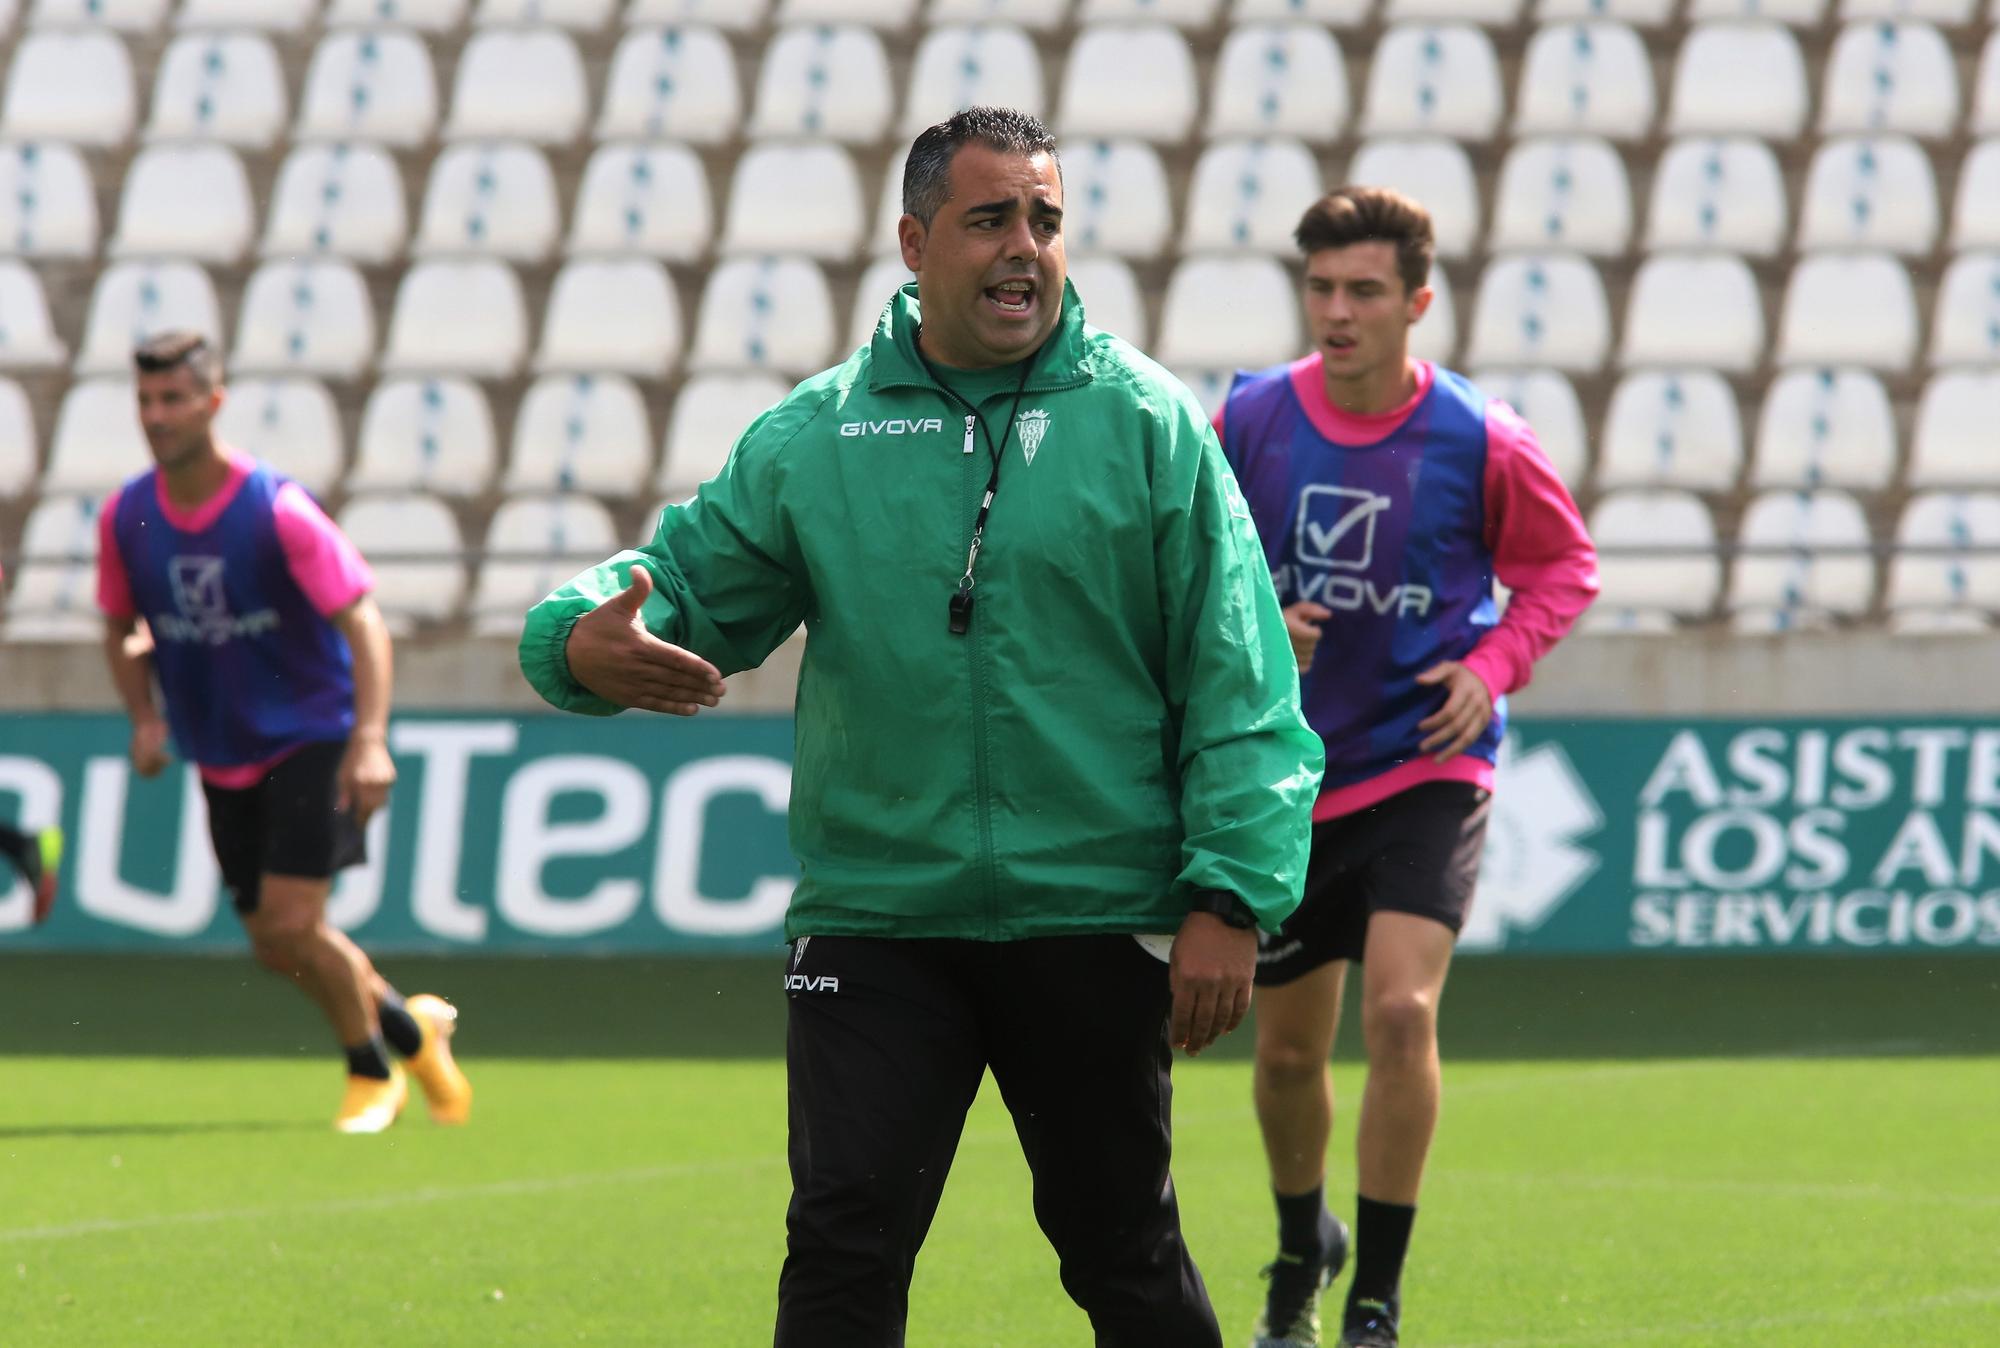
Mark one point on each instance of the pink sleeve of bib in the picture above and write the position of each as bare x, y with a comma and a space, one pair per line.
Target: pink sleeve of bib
324, 562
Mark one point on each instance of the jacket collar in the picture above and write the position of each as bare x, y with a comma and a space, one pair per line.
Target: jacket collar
1064, 361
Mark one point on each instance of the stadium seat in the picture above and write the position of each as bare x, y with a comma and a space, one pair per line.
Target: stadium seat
1890, 77
134, 300
369, 86
1179, 13
1823, 569
1228, 312
1718, 194
1738, 79
1541, 309
1589, 78
66, 86
1115, 198
825, 82
1681, 580
341, 199
646, 199
1986, 88
764, 313
1791, 13
1952, 445
1870, 192
461, 316
1039, 16
306, 316
533, 545
672, 82
772, 183
1638, 13
290, 423
1963, 575
18, 463
966, 65
1435, 171
736, 16
1694, 309
710, 414
1435, 337
1128, 80
1975, 216
490, 199
1826, 428
48, 204
579, 16
27, 333
1672, 428
581, 432
1547, 401
219, 86
1566, 193
1442, 81
1110, 295
883, 278
434, 434
1849, 309
185, 201
1278, 80
1966, 330
1951, 13
269, 16
525, 84
97, 442
123, 16
413, 545
1248, 194
430, 16
612, 314
1490, 13
1332, 13
55, 590
884, 14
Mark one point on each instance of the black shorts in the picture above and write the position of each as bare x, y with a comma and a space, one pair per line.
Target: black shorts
1416, 852
284, 825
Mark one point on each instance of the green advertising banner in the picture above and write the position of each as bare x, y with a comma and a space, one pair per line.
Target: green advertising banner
550, 834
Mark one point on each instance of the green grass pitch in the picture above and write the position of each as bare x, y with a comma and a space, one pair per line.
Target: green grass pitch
1791, 1154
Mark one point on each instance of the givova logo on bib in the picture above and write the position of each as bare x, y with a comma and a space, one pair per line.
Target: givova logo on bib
1535, 859
1334, 535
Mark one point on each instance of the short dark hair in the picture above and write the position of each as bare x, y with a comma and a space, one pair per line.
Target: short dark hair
1350, 215
927, 171
165, 351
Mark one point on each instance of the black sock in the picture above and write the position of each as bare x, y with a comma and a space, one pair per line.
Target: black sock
399, 1027
369, 1058
1381, 1239
1304, 1224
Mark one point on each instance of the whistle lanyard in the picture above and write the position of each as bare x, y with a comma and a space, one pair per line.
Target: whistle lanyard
958, 618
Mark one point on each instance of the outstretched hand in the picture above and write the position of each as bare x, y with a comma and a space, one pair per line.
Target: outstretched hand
611, 653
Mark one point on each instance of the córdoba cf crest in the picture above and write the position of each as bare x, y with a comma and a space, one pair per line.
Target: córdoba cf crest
1031, 426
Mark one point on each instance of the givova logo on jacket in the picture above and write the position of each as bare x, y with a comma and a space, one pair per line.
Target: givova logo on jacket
1335, 534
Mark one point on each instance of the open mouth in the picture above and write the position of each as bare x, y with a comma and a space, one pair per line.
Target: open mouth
1014, 298
1340, 346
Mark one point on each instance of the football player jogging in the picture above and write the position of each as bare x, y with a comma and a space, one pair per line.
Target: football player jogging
1389, 494
274, 665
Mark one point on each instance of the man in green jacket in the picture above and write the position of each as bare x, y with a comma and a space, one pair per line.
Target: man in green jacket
1047, 706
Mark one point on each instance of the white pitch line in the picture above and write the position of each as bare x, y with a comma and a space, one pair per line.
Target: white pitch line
1897, 1310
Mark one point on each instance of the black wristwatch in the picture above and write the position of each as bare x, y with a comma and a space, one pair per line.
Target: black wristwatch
1225, 905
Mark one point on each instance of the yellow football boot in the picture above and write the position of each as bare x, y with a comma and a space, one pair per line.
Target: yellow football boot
371, 1104
446, 1090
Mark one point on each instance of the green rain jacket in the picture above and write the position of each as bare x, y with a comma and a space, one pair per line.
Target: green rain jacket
1119, 726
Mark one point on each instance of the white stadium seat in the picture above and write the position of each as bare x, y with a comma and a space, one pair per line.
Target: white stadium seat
97, 442
1547, 401
270, 16
1038, 16
1228, 312
134, 300
48, 203
1249, 194
306, 316
1567, 193
27, 332
1826, 428
1588, 78
581, 432
1890, 77
1638, 13
1819, 572
1849, 309
1966, 330
1792, 13
1442, 81
1128, 80
55, 590
1682, 579
764, 313
1435, 337
289, 422
436, 434
677, 83
69, 86
185, 201
1870, 192
413, 545
830, 82
1718, 194
123, 16
612, 314
1952, 13
773, 181
460, 316
884, 277
1433, 170
1180, 13
219, 86
341, 199
1332, 13
1738, 79
490, 199
533, 545
969, 65
1115, 199
1986, 89
886, 14
1672, 428
1975, 216
1491, 13
1542, 309
430, 16
579, 16
519, 83
1694, 309
737, 16
1963, 571
710, 414
1952, 445
645, 199
1110, 295
369, 86
1279, 80
17, 440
